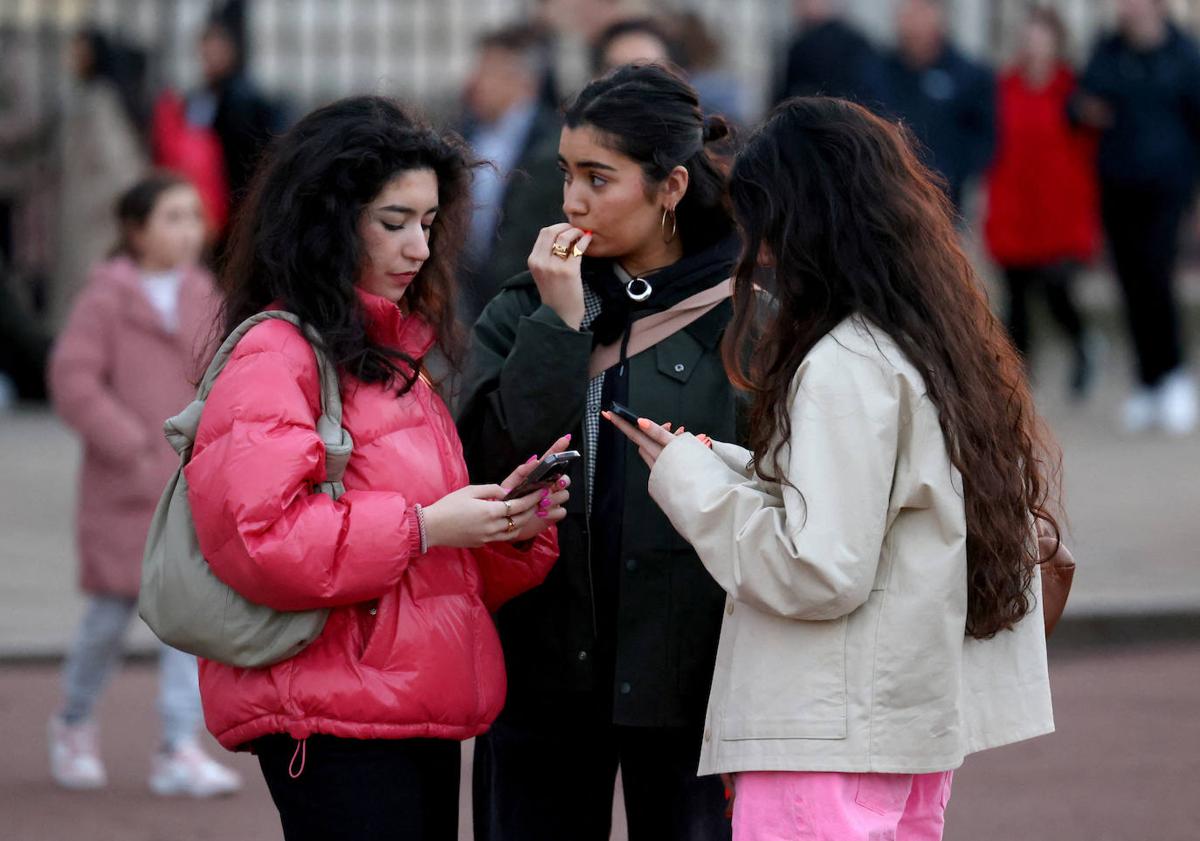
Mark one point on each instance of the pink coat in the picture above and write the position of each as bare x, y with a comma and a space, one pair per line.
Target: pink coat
115, 375
409, 649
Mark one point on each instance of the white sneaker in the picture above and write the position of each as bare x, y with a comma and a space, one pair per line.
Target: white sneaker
74, 758
1177, 404
1140, 412
189, 770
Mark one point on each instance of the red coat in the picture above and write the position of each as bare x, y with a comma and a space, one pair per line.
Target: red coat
410, 649
115, 375
1042, 192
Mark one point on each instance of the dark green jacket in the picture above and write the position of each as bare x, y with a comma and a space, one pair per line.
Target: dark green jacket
525, 386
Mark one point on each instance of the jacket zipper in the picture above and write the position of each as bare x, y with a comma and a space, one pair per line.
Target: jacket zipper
587, 537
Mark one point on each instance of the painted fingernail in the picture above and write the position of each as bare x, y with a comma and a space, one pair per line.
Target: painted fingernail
531, 459
542, 514
568, 438
644, 423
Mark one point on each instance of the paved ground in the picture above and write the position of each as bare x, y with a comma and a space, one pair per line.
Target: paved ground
1122, 767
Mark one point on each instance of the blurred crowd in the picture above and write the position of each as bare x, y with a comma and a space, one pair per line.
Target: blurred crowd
1071, 158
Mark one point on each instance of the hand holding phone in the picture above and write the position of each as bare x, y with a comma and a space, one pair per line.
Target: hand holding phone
623, 412
547, 471
649, 437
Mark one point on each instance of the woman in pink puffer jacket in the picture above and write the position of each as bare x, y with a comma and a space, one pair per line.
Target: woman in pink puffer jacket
352, 225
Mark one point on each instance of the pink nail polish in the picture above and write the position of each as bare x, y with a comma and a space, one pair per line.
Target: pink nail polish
531, 459
568, 438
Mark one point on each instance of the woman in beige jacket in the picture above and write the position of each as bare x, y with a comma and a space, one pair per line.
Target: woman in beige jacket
877, 542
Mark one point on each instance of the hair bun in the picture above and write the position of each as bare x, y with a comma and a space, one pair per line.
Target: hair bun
716, 128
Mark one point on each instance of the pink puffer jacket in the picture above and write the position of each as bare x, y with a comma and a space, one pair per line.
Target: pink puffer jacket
117, 372
410, 649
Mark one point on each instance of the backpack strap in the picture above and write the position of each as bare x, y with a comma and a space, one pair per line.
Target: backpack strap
181, 429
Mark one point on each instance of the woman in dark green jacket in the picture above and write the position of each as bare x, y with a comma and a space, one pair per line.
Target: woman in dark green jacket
609, 662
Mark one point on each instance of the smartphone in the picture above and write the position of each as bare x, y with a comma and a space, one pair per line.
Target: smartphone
623, 412
548, 471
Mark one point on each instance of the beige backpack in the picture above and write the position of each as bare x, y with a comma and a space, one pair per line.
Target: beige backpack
182, 601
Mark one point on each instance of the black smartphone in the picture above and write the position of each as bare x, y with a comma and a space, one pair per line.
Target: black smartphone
548, 471
623, 412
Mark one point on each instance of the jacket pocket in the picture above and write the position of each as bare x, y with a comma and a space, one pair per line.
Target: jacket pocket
787, 679
883, 794
379, 630
677, 357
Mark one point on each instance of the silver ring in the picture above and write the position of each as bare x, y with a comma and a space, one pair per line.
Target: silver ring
507, 508
639, 289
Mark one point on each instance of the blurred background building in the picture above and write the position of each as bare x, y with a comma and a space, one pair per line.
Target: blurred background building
312, 50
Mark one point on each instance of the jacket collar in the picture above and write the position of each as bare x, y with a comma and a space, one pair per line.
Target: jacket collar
193, 289
388, 326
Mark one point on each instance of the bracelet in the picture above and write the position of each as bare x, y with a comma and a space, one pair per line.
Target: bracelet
421, 527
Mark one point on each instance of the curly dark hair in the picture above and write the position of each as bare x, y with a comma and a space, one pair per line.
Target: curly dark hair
295, 239
857, 225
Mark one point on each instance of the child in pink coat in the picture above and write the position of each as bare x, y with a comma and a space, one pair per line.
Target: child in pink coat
125, 361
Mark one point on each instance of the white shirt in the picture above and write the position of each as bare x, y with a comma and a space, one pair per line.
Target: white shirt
162, 290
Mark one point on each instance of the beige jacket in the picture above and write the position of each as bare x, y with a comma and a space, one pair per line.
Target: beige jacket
843, 647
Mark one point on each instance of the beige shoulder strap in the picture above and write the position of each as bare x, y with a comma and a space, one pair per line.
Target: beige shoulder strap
649, 331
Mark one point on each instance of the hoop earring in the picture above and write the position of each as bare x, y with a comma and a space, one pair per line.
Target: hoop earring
663, 225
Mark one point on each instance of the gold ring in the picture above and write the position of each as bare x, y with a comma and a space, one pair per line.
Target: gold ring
511, 525
576, 251
561, 251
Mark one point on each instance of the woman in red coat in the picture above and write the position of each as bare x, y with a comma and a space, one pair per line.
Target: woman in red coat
353, 225
1042, 214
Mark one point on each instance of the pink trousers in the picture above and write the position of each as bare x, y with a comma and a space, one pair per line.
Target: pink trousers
818, 806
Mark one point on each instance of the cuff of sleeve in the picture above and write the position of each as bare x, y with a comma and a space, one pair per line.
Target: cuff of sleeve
414, 532
672, 463
545, 316
735, 457
548, 327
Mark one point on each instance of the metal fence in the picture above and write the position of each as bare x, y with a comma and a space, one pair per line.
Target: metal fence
313, 50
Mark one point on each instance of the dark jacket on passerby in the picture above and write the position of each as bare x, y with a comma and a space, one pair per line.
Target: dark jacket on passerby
533, 197
628, 612
950, 107
1155, 99
244, 120
24, 348
827, 59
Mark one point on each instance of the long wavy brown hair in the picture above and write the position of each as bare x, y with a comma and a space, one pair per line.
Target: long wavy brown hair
854, 224
295, 240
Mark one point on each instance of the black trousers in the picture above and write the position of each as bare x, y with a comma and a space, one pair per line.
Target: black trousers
1143, 228
363, 790
550, 781
1054, 282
